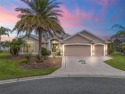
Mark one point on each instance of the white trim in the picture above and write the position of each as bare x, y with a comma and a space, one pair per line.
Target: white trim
91, 50
99, 44
104, 51
86, 37
77, 44
92, 34
79, 35
54, 39
63, 50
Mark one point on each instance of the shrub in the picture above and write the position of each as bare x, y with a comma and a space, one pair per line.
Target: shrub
45, 52
58, 53
48, 52
111, 48
14, 46
123, 48
28, 55
1, 51
39, 57
24, 61
54, 55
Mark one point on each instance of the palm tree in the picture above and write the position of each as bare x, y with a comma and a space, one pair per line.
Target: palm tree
3, 31
120, 32
39, 16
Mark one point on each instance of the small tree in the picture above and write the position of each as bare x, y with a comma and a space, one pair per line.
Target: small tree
121, 31
45, 52
123, 48
111, 48
14, 46
3, 31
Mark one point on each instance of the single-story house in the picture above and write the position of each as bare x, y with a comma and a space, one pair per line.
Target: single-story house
82, 43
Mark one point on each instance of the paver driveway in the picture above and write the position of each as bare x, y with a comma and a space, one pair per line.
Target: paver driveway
94, 67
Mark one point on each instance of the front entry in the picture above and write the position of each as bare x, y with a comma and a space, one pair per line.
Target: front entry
55, 45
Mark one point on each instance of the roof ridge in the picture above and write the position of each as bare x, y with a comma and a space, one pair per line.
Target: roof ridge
93, 35
80, 35
85, 36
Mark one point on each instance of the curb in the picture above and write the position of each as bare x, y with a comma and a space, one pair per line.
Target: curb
61, 76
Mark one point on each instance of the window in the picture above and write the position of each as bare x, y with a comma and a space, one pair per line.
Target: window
30, 46
55, 45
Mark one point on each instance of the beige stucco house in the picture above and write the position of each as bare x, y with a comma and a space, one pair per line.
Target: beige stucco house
82, 43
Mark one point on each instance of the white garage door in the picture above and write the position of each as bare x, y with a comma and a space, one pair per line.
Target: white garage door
77, 50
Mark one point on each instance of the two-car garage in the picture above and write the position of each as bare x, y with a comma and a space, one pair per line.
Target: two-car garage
84, 45
83, 50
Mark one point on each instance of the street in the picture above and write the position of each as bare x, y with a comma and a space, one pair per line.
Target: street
75, 85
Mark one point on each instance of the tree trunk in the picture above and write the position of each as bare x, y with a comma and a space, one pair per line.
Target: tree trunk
0, 43
40, 42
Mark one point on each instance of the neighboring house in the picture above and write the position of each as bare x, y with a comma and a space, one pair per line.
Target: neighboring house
5, 38
83, 43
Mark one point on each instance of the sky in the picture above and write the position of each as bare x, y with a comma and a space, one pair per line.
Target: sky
96, 16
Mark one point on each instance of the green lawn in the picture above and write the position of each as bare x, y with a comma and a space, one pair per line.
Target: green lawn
118, 61
9, 69
4, 54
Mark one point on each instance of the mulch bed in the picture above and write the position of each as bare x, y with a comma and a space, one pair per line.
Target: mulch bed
48, 63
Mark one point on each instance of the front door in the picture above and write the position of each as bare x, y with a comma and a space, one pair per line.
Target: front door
54, 47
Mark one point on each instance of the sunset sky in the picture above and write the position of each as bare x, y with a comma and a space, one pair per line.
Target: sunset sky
96, 16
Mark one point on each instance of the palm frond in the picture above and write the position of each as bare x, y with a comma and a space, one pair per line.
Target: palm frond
118, 26
39, 16
4, 31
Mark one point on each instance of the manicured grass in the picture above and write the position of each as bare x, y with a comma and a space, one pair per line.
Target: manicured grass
4, 54
9, 69
118, 61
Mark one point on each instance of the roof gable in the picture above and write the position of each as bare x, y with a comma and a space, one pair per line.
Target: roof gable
92, 36
78, 38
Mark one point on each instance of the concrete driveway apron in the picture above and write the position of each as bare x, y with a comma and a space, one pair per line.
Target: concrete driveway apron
93, 66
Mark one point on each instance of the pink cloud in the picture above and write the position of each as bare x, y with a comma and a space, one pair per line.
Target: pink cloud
7, 17
73, 20
104, 4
